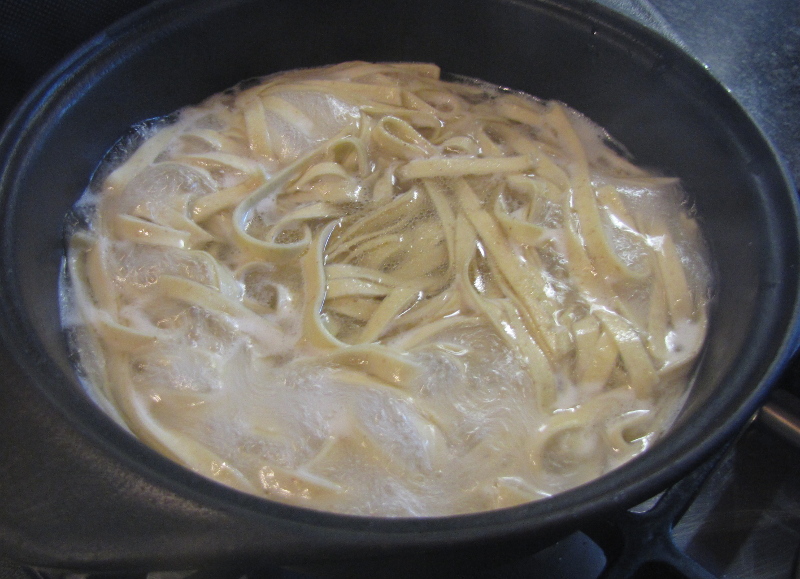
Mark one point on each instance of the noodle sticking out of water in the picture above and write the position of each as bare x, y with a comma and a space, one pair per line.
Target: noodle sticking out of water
366, 290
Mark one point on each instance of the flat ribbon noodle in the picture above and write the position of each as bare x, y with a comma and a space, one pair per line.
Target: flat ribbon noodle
364, 271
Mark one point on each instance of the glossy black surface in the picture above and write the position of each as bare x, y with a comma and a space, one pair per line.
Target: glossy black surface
77, 469
752, 46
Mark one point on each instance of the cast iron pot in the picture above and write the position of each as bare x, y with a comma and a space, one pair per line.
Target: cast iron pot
79, 492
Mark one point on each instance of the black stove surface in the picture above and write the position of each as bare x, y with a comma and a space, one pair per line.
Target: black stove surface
738, 516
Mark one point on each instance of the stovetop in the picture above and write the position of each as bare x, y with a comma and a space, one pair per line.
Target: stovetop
738, 516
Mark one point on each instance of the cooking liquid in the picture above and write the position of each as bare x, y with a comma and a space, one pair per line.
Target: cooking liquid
460, 343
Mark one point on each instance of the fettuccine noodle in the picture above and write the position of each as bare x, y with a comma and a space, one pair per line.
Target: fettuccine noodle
364, 289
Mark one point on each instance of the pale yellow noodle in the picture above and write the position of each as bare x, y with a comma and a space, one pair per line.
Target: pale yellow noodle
427, 221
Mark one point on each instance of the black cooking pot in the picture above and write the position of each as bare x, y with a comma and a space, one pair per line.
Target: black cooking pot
77, 491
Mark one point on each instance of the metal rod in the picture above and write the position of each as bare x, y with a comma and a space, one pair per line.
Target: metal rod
781, 414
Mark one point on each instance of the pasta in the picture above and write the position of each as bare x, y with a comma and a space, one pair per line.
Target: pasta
367, 290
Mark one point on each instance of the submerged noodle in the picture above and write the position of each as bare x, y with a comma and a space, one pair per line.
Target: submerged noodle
363, 289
